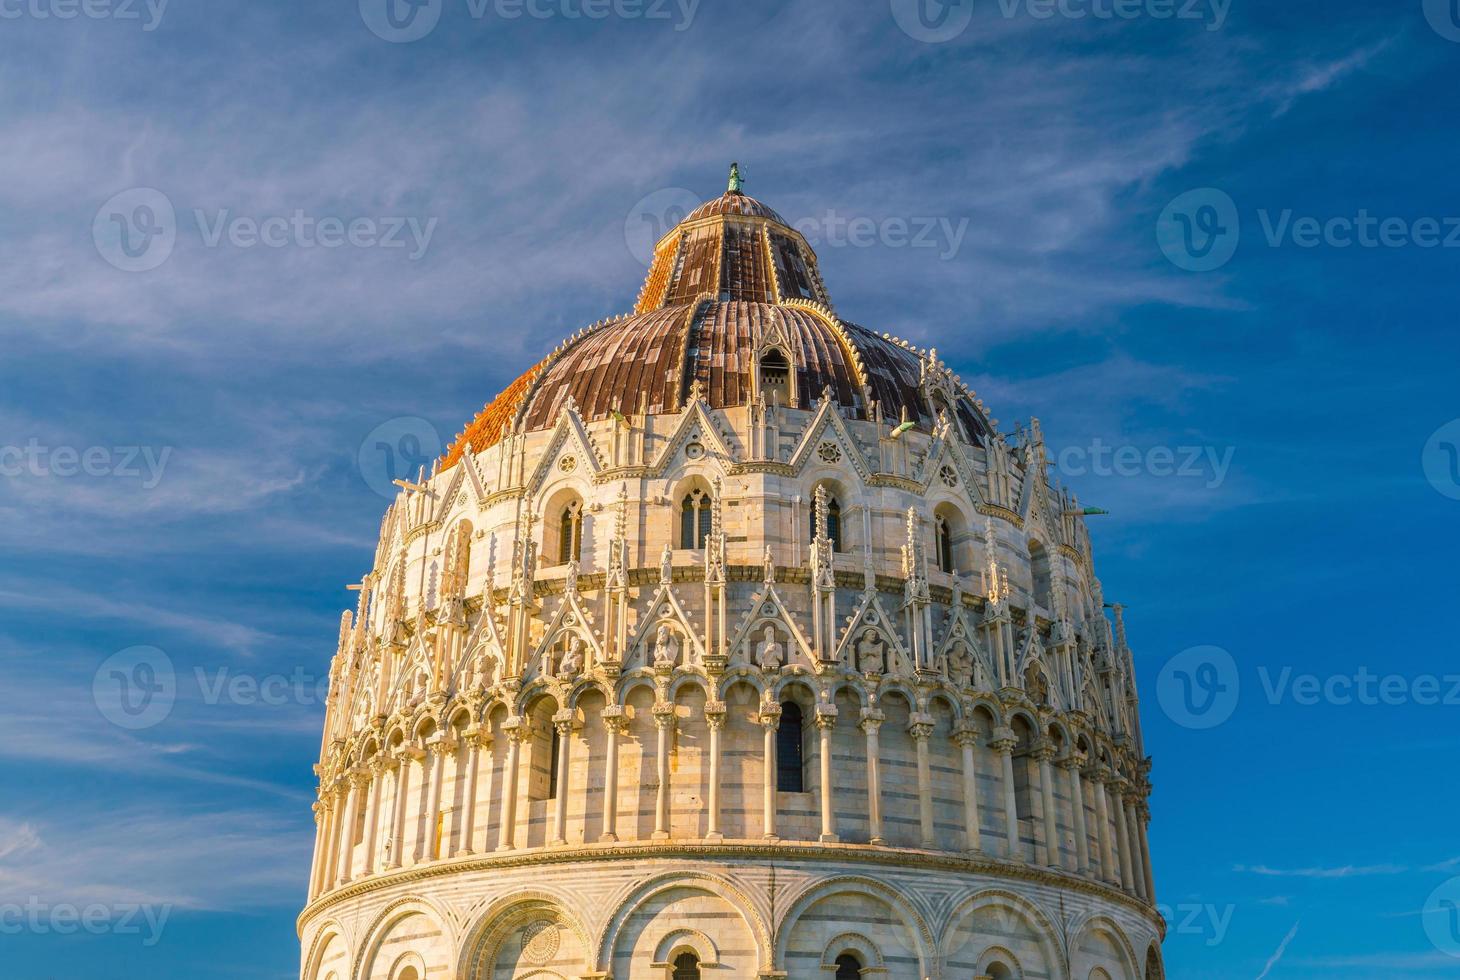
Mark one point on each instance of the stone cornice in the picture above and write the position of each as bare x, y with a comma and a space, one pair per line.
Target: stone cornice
809, 851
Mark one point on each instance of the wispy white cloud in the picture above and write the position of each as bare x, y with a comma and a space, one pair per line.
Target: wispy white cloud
1344, 871
1277, 956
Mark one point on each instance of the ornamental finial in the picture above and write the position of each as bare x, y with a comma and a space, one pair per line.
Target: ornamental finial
735, 182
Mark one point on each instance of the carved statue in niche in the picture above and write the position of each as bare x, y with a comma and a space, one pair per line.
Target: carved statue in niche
769, 653
871, 653
666, 648
960, 664
1035, 685
572, 663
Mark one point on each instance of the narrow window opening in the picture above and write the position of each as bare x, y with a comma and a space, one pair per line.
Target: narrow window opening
790, 762
686, 967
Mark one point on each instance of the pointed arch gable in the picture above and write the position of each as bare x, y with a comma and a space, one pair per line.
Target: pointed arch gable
767, 607
569, 429
664, 607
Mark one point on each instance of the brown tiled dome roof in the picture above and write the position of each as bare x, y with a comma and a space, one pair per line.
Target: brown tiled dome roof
729, 281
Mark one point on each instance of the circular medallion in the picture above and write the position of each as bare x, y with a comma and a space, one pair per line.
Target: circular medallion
540, 942
568, 464
829, 452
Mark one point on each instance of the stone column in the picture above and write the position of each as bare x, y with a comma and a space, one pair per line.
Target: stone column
563, 725
715, 719
872, 719
513, 730
921, 728
1071, 765
332, 841
398, 823
321, 823
1122, 836
1143, 824
432, 846
469, 795
1048, 841
663, 721
1138, 873
967, 740
372, 813
1109, 871
347, 830
1004, 743
825, 724
615, 725
770, 719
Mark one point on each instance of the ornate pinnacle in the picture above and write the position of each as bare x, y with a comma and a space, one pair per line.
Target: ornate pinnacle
735, 181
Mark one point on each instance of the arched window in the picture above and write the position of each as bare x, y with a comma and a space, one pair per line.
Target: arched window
686, 967
833, 521
570, 533
553, 774
694, 520
848, 967
775, 377
790, 768
1039, 569
945, 544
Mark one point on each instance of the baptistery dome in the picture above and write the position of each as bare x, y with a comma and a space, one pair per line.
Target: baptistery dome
733, 639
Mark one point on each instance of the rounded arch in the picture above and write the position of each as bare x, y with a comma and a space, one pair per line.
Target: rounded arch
693, 679
949, 698
825, 888
855, 944
1101, 924
631, 684
693, 500
1000, 963
636, 896
564, 526
952, 536
508, 914
1155, 967
1041, 573
392, 914
329, 936
986, 707
585, 686
837, 496
851, 684
1021, 909
754, 681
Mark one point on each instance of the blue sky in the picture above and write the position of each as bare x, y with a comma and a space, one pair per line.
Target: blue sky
221, 399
